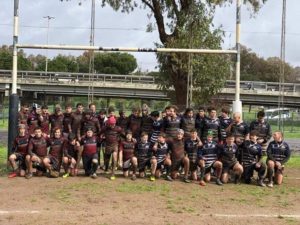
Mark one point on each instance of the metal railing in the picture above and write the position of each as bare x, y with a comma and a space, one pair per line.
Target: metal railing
85, 77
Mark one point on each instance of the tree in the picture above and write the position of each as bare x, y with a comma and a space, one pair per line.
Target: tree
175, 20
257, 68
6, 57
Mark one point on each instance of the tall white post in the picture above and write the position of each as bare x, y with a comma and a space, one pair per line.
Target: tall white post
237, 104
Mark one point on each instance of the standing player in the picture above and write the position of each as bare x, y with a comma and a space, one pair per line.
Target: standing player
212, 123
23, 114
199, 123
239, 129
134, 123
89, 121
192, 146
76, 120
208, 155
53, 160
146, 124
156, 127
56, 119
37, 150
171, 123
44, 120
145, 157
225, 121
263, 130
19, 153
90, 144
161, 153
67, 121
228, 154
188, 122
126, 155
111, 135
33, 120
278, 153
250, 157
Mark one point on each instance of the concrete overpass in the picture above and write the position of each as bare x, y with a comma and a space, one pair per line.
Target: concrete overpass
140, 87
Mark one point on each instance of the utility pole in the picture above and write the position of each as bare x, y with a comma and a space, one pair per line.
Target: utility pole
48, 25
92, 55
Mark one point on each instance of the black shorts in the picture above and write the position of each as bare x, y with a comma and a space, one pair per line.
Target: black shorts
87, 161
229, 166
208, 169
176, 164
143, 163
193, 166
55, 163
160, 165
20, 158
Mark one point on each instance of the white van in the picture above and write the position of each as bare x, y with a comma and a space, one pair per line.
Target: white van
273, 114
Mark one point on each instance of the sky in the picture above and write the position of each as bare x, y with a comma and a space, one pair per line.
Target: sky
260, 32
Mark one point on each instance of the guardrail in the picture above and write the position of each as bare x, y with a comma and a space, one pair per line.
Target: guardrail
85, 77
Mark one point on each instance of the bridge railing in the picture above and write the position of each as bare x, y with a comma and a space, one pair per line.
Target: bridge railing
78, 77
85, 77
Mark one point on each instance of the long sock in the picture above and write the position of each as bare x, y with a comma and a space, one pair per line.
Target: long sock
167, 169
106, 161
94, 167
270, 174
134, 168
202, 170
113, 166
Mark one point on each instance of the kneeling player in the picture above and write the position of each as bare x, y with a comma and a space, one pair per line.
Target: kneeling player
250, 156
37, 149
20, 153
71, 156
208, 156
278, 153
161, 152
144, 156
192, 145
179, 160
90, 145
57, 145
228, 153
126, 155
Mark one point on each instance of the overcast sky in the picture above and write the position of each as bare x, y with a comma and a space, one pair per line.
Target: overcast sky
260, 32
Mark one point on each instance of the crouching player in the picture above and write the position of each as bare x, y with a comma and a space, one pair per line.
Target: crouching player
192, 145
228, 154
37, 149
126, 155
178, 157
250, 157
145, 156
278, 153
161, 152
90, 145
57, 145
208, 156
19, 153
70, 158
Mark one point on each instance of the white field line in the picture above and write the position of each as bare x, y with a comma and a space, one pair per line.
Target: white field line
295, 216
3, 212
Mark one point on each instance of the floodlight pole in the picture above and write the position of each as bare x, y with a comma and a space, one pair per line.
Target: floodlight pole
237, 104
48, 26
14, 98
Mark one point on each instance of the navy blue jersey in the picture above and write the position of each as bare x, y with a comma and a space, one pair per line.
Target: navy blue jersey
213, 125
156, 128
187, 124
278, 151
171, 125
228, 154
250, 153
209, 153
143, 150
191, 148
161, 152
224, 123
263, 129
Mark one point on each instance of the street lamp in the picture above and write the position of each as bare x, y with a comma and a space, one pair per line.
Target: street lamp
48, 24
